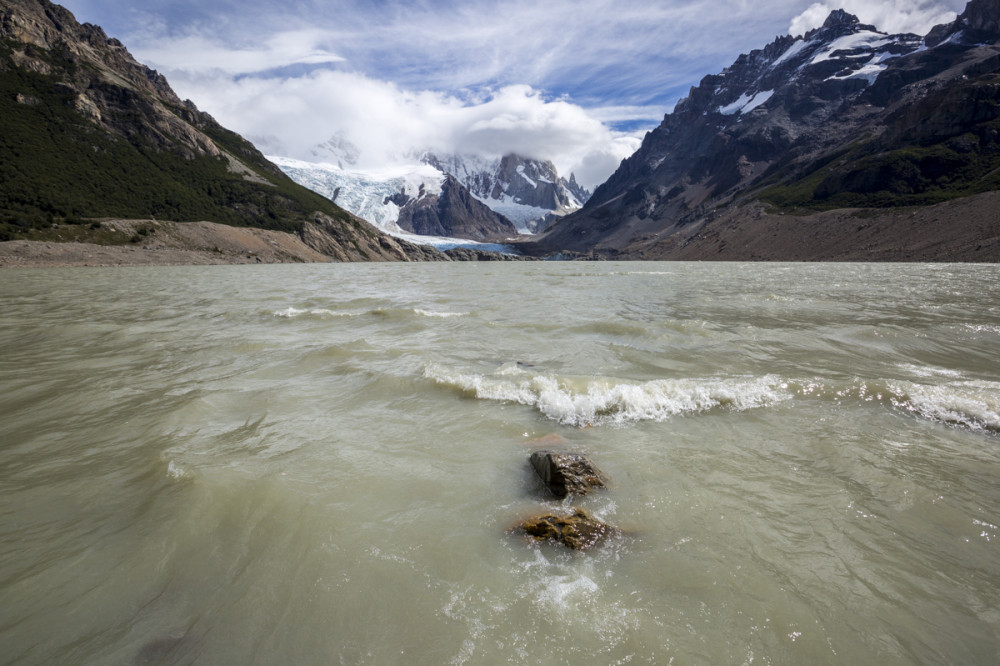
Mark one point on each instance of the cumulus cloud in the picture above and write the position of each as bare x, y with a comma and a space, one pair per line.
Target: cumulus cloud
546, 79
893, 16
291, 116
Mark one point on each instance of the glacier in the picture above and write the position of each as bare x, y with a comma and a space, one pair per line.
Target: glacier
368, 193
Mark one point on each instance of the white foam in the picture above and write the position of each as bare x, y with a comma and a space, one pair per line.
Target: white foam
930, 371
974, 405
983, 328
291, 312
561, 594
175, 471
604, 401
429, 313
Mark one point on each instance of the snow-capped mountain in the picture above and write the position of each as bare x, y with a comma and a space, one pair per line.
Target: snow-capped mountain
337, 150
410, 199
373, 195
526, 191
843, 116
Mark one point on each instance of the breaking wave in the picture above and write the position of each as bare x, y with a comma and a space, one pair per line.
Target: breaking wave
603, 401
292, 312
971, 404
585, 401
442, 314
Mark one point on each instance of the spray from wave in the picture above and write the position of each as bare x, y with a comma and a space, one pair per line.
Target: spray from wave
972, 404
583, 401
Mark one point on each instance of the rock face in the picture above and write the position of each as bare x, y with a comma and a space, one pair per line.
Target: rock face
454, 212
90, 132
579, 531
566, 473
842, 117
529, 192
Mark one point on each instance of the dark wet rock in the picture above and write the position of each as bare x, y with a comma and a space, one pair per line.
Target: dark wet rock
579, 531
567, 473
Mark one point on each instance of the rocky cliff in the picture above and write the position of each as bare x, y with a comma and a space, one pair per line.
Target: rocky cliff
842, 117
89, 132
528, 192
452, 212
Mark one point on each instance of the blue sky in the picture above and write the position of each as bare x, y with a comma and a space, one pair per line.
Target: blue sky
577, 82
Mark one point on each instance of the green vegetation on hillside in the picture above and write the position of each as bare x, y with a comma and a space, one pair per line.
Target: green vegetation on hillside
56, 165
916, 175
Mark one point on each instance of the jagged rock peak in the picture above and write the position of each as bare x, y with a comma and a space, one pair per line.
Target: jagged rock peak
840, 23
525, 190
979, 23
838, 18
982, 16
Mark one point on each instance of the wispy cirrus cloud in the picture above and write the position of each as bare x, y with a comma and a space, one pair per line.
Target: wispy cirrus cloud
199, 53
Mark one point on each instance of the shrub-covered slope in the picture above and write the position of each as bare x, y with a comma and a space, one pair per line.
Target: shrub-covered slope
89, 132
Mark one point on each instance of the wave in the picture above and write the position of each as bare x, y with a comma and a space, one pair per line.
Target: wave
983, 328
292, 312
586, 401
970, 404
428, 313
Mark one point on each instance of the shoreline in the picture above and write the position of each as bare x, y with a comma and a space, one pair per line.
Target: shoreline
158, 243
47, 254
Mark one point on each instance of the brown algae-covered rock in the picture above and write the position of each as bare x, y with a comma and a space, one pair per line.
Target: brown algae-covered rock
567, 473
579, 531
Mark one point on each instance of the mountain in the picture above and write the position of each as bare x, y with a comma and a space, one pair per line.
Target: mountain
526, 191
374, 195
452, 211
406, 199
844, 118
89, 132
504, 196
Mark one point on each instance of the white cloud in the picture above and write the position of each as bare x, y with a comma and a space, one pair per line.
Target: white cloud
197, 53
389, 124
892, 16
545, 79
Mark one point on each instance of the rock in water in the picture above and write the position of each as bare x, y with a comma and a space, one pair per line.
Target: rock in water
567, 473
579, 531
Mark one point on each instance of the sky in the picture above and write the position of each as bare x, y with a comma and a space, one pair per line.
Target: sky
578, 82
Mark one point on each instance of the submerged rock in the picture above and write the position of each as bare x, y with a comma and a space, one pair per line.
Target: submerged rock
163, 650
567, 473
579, 531
547, 441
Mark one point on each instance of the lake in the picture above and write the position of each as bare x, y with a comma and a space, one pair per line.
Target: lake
322, 464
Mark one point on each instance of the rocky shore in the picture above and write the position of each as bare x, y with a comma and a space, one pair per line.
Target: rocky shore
158, 243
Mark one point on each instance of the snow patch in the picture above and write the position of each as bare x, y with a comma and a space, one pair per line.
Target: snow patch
520, 172
860, 40
746, 103
792, 51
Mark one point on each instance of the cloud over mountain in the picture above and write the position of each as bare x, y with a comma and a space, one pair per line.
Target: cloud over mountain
574, 82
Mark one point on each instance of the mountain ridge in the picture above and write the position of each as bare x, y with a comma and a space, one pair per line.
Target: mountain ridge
842, 117
89, 132
529, 192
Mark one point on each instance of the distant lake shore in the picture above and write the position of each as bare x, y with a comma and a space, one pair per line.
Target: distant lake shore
159, 243
43, 254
